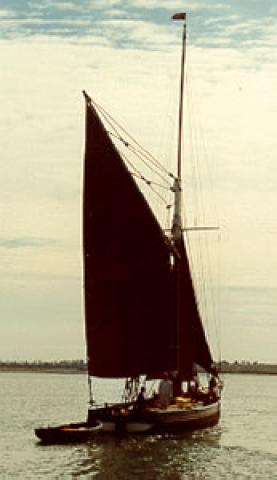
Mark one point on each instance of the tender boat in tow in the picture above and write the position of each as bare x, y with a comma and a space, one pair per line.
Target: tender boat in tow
68, 433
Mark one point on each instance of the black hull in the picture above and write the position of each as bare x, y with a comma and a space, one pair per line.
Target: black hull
68, 433
121, 419
117, 419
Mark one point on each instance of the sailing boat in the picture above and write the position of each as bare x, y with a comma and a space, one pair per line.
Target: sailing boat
141, 311
141, 314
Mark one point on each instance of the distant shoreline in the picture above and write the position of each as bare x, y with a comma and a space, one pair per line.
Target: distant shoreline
76, 368
248, 368
64, 371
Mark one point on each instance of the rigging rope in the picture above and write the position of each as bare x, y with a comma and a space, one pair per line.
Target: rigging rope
205, 274
140, 156
149, 183
112, 122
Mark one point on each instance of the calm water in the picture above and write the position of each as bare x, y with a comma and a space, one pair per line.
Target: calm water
243, 446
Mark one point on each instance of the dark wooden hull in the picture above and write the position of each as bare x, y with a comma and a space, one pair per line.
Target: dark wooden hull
125, 419
119, 419
68, 433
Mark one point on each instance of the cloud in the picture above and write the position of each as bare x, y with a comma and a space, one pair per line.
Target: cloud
27, 242
106, 4
129, 33
116, 12
6, 14
57, 5
64, 6
158, 5
82, 21
180, 5
37, 22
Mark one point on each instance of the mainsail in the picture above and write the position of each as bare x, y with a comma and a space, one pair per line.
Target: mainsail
140, 307
191, 344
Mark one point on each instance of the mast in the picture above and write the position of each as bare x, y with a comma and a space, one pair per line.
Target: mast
177, 188
191, 345
177, 217
181, 98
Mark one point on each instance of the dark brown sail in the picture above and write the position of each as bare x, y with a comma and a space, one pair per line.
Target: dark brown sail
191, 344
141, 314
127, 267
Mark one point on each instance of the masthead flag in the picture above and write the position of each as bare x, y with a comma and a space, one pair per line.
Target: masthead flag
179, 16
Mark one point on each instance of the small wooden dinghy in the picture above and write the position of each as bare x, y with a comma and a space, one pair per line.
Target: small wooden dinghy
68, 433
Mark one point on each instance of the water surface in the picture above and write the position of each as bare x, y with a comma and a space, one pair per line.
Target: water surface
242, 446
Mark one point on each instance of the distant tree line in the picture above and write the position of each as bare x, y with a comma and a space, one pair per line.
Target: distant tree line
245, 366
77, 366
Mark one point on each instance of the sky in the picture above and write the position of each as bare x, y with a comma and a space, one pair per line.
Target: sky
126, 55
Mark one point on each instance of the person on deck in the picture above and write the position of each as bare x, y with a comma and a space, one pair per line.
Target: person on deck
213, 388
165, 391
141, 400
176, 384
193, 390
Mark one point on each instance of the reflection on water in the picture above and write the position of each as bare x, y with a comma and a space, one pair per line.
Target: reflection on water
197, 456
151, 457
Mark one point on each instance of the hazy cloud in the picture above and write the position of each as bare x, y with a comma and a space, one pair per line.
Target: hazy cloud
27, 242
